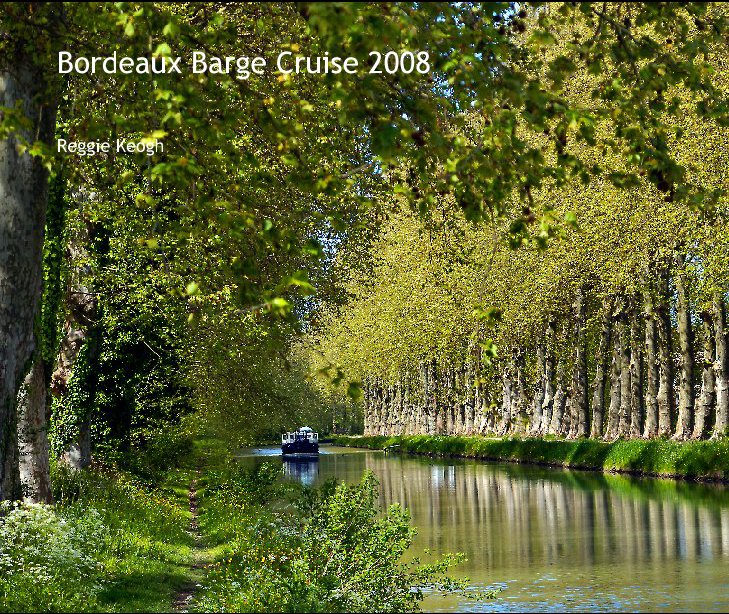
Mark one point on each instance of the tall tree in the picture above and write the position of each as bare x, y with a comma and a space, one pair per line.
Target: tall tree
30, 119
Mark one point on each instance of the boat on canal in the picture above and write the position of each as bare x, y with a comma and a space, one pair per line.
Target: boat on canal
302, 441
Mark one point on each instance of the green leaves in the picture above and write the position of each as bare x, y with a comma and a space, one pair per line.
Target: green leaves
279, 307
488, 315
488, 351
300, 280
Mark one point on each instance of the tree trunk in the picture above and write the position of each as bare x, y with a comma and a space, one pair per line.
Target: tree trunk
506, 398
538, 392
521, 419
470, 403
598, 394
685, 340
431, 401
407, 404
706, 399
366, 405
578, 393
664, 397
548, 402
721, 368
558, 405
652, 368
613, 418
459, 406
421, 415
636, 374
625, 380
373, 407
23, 196
35, 472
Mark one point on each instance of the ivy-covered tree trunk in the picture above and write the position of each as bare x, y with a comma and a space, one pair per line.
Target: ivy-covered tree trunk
34, 397
685, 340
34, 457
664, 397
721, 367
70, 383
598, 386
652, 368
707, 397
23, 196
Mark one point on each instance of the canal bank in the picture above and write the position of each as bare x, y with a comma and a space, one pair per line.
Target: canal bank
706, 461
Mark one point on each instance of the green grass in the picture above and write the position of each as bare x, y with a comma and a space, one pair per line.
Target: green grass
698, 460
112, 543
148, 554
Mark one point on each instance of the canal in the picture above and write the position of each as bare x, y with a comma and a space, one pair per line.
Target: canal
552, 539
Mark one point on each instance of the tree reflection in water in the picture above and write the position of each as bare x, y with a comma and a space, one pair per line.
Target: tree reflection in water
556, 539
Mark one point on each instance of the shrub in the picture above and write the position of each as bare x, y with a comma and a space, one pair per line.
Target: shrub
339, 553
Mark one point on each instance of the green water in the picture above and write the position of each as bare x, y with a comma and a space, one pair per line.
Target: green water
553, 539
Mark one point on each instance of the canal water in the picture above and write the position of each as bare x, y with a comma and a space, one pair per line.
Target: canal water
552, 539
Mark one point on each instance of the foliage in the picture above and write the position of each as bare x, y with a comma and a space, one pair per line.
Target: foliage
429, 278
53, 265
338, 553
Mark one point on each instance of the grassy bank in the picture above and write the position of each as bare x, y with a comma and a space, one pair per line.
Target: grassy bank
696, 460
203, 532
112, 542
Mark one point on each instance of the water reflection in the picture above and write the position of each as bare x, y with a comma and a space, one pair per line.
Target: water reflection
303, 469
558, 539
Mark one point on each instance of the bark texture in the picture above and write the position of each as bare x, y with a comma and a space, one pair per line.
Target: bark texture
598, 394
578, 393
613, 417
686, 366
721, 368
707, 397
664, 396
35, 473
652, 368
548, 400
538, 392
23, 196
636, 375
